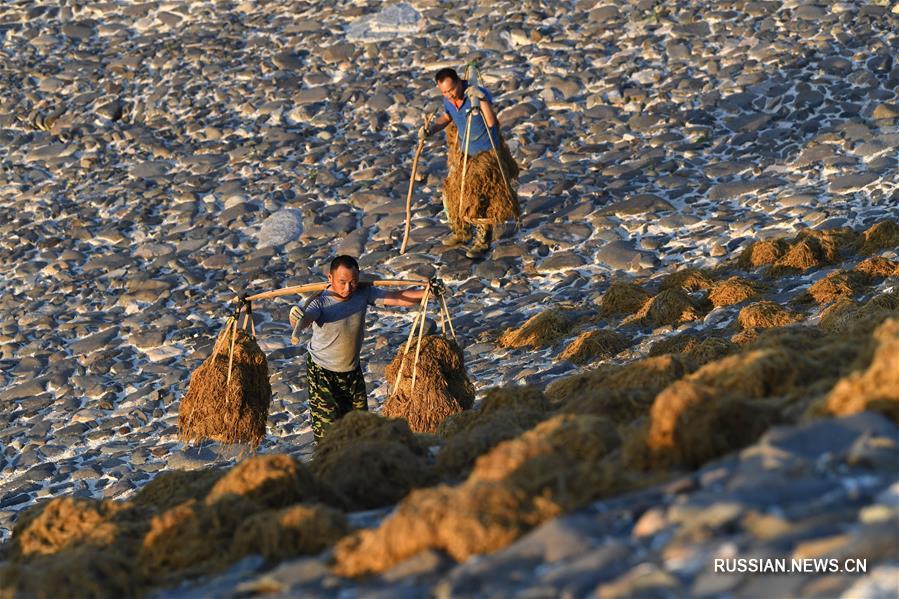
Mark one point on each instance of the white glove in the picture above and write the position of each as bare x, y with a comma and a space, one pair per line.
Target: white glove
295, 316
423, 132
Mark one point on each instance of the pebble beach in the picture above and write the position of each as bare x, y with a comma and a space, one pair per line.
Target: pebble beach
159, 158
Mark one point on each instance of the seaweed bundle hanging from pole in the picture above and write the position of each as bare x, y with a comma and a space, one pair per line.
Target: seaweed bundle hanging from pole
229, 394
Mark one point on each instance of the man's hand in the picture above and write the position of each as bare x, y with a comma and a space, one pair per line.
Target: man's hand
424, 132
295, 316
475, 95
437, 286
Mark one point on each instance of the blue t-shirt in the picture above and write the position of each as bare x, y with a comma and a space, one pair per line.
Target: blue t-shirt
338, 327
478, 140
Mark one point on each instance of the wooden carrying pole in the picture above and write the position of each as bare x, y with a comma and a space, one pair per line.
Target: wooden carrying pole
421, 144
313, 287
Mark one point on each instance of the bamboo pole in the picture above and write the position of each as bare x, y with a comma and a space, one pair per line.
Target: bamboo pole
464, 163
471, 74
418, 316
223, 336
248, 320
449, 318
421, 330
421, 144
231, 351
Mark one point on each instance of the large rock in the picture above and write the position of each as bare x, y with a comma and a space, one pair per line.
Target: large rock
623, 256
281, 227
392, 21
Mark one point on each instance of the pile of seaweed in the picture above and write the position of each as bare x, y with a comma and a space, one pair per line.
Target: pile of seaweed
185, 524
527, 453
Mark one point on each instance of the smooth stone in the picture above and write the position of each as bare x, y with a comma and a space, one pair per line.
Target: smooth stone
428, 563
509, 250
490, 269
886, 112
578, 577
338, 52
298, 572
809, 12
401, 19
113, 111
835, 436
748, 123
639, 204
560, 262
281, 227
726, 191
566, 538
149, 170
644, 580
77, 31
823, 153
312, 95
850, 183
880, 64
48, 152
147, 339
622, 255
558, 539
23, 390
354, 243
604, 13
677, 221
94, 342
153, 250
149, 290
287, 60
568, 233
809, 98
191, 458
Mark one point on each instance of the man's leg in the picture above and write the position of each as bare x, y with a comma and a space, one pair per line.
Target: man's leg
323, 408
360, 395
352, 394
481, 242
458, 230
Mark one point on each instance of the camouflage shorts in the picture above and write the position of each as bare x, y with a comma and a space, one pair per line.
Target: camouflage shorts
332, 395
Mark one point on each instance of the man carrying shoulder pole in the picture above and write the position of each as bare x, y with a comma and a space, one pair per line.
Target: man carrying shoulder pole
337, 316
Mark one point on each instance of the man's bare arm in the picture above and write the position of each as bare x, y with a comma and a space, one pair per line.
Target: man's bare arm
489, 115
404, 298
440, 124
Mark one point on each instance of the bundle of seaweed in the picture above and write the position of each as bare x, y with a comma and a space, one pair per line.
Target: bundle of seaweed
442, 387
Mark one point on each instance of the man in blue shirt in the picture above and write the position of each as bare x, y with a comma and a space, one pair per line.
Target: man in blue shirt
337, 317
489, 199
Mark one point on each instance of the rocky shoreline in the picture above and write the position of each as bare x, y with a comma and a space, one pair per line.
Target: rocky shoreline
158, 157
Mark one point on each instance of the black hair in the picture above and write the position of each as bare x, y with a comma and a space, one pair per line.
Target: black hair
345, 261
446, 72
